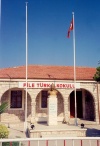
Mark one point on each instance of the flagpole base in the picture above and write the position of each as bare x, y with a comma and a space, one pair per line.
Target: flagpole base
76, 123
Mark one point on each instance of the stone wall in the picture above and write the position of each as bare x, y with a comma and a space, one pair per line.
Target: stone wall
13, 115
34, 109
57, 133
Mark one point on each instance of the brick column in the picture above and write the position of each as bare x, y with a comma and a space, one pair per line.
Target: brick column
66, 105
33, 108
33, 93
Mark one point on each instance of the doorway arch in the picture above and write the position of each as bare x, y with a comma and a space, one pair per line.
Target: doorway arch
42, 106
84, 103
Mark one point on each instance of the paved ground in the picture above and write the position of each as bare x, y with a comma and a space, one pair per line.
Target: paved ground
17, 131
14, 133
93, 130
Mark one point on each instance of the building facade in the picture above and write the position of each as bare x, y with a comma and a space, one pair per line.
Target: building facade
13, 90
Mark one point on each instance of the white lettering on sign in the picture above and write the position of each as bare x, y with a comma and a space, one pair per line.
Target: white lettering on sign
48, 84
52, 106
53, 109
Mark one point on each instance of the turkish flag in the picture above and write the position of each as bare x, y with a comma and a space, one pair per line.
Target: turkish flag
70, 28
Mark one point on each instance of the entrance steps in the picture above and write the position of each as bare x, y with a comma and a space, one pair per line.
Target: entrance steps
79, 121
60, 130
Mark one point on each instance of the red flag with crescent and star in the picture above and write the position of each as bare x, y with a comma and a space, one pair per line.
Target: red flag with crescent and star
70, 28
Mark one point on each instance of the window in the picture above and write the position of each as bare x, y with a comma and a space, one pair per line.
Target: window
16, 99
44, 96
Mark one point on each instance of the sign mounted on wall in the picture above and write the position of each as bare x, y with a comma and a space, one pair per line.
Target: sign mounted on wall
48, 85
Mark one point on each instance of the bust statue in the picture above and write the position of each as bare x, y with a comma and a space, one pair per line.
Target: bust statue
52, 90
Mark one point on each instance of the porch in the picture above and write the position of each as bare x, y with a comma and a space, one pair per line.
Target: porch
17, 129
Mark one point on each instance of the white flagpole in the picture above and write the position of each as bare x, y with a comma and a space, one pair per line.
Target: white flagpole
26, 69
74, 69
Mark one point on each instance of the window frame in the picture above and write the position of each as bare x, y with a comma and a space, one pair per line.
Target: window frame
22, 108
41, 100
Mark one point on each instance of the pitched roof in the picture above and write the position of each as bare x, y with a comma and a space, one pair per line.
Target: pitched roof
48, 72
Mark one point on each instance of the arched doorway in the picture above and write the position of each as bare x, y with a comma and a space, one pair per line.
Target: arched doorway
79, 104
42, 106
85, 105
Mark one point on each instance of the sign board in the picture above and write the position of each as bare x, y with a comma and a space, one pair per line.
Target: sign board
48, 84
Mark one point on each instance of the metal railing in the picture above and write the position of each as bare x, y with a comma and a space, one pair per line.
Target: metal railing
64, 141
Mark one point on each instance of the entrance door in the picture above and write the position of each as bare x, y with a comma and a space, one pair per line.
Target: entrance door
78, 103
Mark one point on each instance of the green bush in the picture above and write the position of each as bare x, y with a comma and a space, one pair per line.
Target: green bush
4, 131
5, 144
8, 144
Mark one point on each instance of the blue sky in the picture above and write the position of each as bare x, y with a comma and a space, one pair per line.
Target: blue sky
48, 23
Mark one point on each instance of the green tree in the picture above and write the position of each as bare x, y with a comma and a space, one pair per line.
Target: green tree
97, 74
3, 107
3, 129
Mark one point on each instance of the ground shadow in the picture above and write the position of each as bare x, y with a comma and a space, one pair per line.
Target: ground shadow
91, 132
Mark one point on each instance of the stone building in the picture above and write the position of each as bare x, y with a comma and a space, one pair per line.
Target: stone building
13, 90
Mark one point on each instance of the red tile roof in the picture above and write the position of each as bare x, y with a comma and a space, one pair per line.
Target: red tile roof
48, 72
